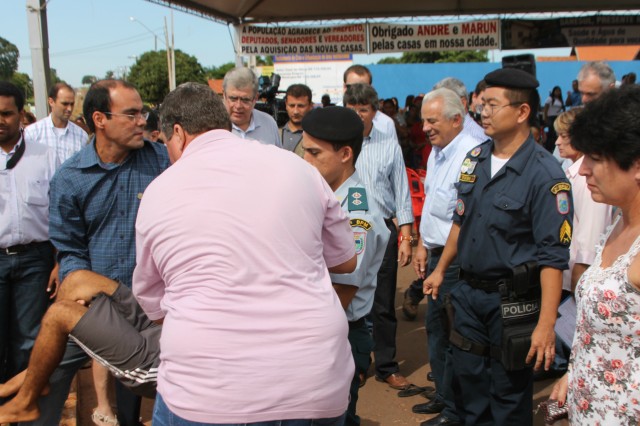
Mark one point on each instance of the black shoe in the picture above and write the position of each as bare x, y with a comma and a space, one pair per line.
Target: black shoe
441, 420
430, 376
431, 407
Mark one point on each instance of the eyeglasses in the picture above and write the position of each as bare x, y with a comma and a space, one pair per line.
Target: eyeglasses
236, 99
132, 117
492, 109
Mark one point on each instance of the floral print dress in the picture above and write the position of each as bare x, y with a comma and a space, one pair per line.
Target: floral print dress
604, 378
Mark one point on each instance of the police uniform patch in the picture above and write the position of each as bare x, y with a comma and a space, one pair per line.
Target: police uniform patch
360, 238
565, 233
360, 223
460, 207
357, 199
562, 186
475, 151
467, 178
468, 166
562, 202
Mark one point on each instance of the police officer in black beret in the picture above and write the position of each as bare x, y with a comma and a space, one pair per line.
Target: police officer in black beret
332, 140
511, 233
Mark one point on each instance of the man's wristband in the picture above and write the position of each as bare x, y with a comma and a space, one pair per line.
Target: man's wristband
407, 238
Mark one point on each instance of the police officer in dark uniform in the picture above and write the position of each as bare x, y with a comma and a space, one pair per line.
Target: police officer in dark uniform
511, 233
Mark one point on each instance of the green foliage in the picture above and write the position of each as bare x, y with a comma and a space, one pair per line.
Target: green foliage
109, 75
89, 79
438, 57
218, 72
24, 82
8, 59
149, 73
53, 76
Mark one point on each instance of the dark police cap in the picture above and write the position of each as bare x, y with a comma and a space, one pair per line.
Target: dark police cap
511, 78
333, 124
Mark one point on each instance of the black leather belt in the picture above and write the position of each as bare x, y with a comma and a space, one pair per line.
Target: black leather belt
486, 284
436, 251
20, 248
356, 324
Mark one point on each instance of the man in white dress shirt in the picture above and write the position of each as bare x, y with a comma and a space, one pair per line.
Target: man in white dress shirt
56, 131
26, 255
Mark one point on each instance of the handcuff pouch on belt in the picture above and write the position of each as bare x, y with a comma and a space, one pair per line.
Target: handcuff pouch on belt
519, 308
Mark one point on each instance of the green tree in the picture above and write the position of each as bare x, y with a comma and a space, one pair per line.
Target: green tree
438, 57
53, 76
109, 74
89, 79
214, 72
8, 59
149, 73
24, 82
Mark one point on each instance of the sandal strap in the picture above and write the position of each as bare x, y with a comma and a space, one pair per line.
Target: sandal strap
102, 418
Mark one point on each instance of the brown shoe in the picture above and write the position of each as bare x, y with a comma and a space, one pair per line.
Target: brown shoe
396, 381
409, 307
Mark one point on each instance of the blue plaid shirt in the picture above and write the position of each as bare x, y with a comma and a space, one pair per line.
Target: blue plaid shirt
93, 208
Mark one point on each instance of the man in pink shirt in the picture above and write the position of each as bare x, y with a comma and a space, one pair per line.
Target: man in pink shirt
234, 255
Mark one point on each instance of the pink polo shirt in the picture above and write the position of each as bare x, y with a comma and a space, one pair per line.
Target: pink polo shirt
233, 244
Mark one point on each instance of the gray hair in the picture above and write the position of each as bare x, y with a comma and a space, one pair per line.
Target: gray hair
451, 103
454, 84
196, 108
240, 78
600, 69
361, 94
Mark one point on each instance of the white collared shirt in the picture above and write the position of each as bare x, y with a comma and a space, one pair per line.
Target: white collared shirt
64, 142
262, 128
443, 171
24, 195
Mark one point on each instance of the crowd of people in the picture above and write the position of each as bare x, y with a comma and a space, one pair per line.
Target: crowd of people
195, 257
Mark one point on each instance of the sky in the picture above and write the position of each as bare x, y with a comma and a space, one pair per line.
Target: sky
91, 37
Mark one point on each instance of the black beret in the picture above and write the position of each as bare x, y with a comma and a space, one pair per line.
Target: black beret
511, 78
333, 124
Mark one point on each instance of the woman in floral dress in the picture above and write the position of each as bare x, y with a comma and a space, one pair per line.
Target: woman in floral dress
603, 383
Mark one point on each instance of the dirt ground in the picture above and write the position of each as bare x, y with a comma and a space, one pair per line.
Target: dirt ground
378, 404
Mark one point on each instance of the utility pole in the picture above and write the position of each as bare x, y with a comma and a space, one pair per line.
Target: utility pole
39, 44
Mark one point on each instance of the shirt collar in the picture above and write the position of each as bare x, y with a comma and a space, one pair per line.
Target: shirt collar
448, 150
252, 125
519, 159
89, 156
572, 170
286, 128
13, 150
50, 120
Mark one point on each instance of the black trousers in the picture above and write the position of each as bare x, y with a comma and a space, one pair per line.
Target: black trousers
383, 313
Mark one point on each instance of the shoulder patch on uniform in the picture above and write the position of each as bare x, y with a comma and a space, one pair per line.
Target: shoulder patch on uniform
467, 178
565, 233
460, 207
561, 186
358, 199
360, 239
360, 223
475, 151
562, 202
468, 166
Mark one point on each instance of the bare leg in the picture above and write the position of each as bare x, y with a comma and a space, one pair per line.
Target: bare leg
47, 352
101, 384
12, 385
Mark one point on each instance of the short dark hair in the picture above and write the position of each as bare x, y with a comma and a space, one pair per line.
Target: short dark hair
55, 89
153, 121
10, 90
98, 98
360, 70
609, 126
196, 108
530, 97
361, 94
298, 91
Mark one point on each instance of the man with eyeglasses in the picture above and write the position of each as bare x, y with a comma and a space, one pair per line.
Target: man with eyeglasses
94, 200
511, 233
240, 87
63, 136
